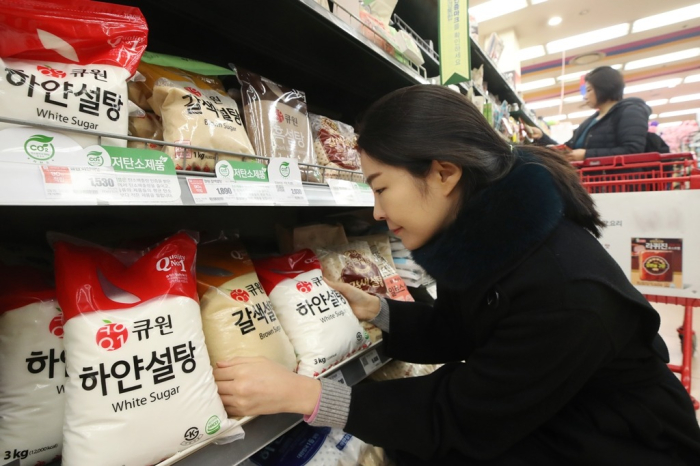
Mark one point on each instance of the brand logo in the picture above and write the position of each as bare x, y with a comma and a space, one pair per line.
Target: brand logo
95, 159
284, 169
194, 91
304, 287
39, 147
191, 436
111, 336
224, 170
656, 265
240, 295
213, 425
56, 326
48, 71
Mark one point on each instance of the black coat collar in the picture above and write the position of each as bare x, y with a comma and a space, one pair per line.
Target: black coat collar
494, 230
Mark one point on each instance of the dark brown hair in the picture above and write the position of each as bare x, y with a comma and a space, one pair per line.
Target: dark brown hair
411, 127
607, 83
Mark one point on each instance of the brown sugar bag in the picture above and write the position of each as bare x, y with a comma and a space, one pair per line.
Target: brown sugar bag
147, 126
277, 120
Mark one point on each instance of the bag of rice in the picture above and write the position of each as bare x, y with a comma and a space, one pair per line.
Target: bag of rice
352, 263
305, 445
69, 66
237, 315
32, 368
318, 319
137, 365
277, 121
196, 111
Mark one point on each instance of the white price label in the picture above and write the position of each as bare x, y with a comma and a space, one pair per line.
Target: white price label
343, 191
285, 179
211, 190
252, 193
75, 183
338, 377
364, 194
370, 361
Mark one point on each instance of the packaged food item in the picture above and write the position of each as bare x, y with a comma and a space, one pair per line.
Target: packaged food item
137, 364
401, 370
317, 446
196, 111
352, 263
237, 315
335, 142
69, 66
32, 368
310, 237
146, 126
379, 243
318, 320
381, 9
277, 121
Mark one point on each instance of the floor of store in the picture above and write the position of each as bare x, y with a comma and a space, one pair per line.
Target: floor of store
671, 319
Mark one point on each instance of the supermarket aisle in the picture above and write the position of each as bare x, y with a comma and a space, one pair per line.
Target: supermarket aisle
671, 319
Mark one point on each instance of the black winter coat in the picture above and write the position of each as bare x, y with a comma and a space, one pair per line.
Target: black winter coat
623, 130
551, 356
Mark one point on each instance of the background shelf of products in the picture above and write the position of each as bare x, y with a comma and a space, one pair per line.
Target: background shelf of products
305, 46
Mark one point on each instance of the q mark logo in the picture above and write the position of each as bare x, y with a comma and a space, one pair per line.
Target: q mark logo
39, 147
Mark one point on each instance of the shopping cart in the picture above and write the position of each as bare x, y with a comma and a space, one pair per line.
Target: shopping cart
651, 172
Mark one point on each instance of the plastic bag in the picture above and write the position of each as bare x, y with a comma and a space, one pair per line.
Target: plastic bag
197, 111
335, 142
277, 121
353, 264
318, 320
69, 66
33, 368
237, 314
138, 368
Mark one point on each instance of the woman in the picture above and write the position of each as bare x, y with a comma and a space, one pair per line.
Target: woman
551, 356
619, 126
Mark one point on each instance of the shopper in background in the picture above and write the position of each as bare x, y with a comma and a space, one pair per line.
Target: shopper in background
551, 356
619, 126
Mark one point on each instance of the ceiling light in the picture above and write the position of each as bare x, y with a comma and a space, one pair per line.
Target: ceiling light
554, 118
582, 114
653, 85
684, 98
540, 83
661, 59
657, 102
687, 111
669, 124
573, 98
588, 38
544, 104
653, 116
495, 8
694, 78
554, 21
576, 76
531, 52
664, 19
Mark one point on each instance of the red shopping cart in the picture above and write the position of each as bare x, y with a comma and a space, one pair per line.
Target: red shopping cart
651, 172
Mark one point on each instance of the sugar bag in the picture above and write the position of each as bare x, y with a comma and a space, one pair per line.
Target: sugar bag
32, 368
237, 314
318, 320
137, 365
69, 66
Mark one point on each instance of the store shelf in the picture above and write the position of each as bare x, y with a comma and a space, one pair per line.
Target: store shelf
294, 42
262, 430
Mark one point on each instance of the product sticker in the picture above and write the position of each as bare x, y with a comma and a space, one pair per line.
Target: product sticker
657, 262
370, 361
211, 191
350, 193
251, 184
338, 377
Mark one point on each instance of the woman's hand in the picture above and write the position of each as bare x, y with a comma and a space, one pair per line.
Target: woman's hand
532, 131
576, 155
256, 385
364, 305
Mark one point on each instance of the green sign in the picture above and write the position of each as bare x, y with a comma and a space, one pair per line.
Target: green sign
453, 24
139, 160
246, 171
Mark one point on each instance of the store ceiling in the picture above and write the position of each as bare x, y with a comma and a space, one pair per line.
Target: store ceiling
531, 28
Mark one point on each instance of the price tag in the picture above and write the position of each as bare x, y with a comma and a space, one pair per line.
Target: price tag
78, 183
211, 190
364, 194
370, 361
285, 179
338, 377
252, 193
343, 191
251, 185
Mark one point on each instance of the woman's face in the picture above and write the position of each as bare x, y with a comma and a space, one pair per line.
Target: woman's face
590, 97
414, 209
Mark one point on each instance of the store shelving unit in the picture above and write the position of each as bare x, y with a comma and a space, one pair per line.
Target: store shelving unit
295, 42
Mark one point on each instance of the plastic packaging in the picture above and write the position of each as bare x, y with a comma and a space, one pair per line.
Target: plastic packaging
237, 314
137, 365
318, 320
69, 66
32, 368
